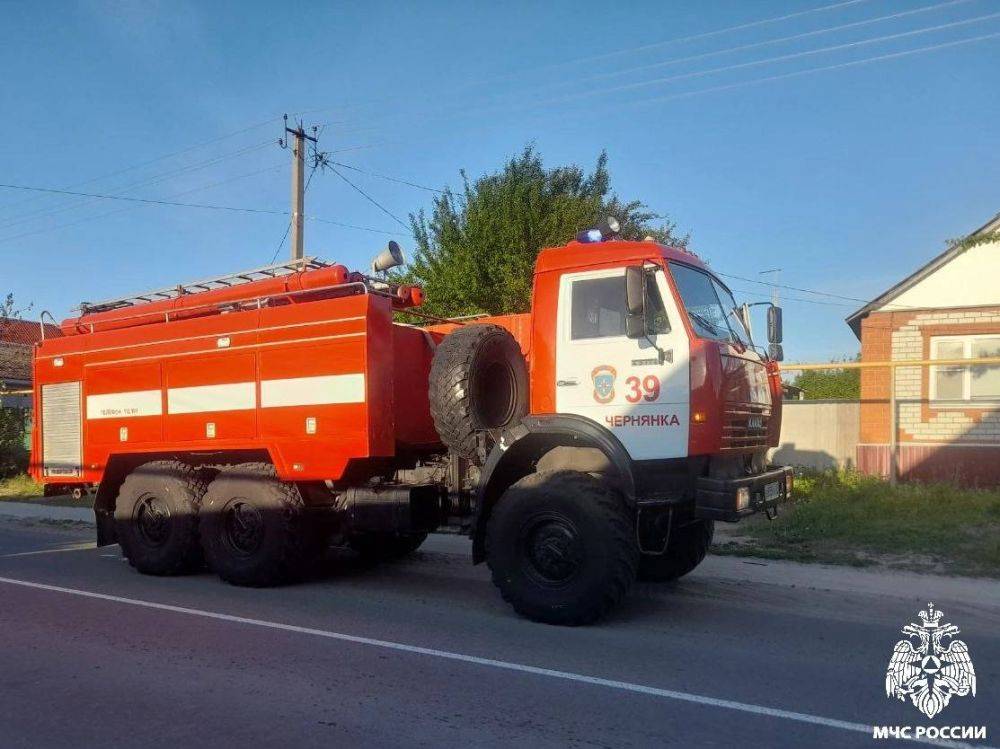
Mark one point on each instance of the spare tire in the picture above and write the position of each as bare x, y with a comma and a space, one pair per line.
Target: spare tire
478, 388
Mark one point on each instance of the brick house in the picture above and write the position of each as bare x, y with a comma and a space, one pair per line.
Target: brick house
17, 337
948, 416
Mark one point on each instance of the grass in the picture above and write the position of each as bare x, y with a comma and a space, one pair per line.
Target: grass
19, 487
846, 518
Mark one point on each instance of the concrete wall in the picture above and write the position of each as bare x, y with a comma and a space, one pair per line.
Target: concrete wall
818, 433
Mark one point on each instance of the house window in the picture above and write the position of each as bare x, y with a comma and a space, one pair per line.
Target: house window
965, 382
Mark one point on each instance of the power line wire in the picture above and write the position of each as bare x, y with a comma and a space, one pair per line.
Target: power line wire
466, 111
132, 199
793, 298
158, 158
717, 32
388, 178
807, 71
105, 214
370, 199
151, 180
355, 226
664, 43
831, 295
768, 42
179, 204
754, 63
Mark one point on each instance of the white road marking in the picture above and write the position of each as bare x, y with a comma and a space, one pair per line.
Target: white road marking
78, 547
744, 707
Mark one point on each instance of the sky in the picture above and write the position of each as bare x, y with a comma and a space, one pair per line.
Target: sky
842, 142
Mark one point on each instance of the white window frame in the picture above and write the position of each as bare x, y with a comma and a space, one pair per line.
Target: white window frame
966, 401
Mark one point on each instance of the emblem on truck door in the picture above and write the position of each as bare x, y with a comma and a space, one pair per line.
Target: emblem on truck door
604, 383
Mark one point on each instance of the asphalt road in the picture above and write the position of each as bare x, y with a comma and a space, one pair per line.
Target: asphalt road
424, 653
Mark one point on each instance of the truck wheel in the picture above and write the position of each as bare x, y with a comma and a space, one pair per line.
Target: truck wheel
254, 528
385, 547
686, 548
478, 387
561, 547
156, 517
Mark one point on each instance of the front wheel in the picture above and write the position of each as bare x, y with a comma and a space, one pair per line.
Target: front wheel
686, 548
561, 547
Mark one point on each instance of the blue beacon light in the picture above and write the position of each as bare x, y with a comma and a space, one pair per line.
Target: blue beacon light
606, 230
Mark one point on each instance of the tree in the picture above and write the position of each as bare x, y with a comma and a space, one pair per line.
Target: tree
476, 253
823, 384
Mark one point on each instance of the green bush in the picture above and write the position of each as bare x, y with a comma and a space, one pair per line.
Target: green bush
843, 512
14, 454
21, 485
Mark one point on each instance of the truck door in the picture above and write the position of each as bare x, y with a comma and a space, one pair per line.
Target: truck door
620, 382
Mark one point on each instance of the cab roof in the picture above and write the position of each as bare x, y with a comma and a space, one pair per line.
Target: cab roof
576, 255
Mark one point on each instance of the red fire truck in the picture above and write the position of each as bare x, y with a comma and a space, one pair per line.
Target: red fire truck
246, 422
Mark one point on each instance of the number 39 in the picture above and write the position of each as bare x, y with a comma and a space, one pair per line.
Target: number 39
648, 391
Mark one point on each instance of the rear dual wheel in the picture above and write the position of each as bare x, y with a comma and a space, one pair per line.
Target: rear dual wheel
250, 527
254, 527
156, 517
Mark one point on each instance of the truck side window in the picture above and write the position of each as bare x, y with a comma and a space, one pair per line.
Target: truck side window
598, 308
702, 303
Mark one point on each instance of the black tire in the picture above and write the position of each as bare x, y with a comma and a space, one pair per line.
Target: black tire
156, 517
254, 527
478, 388
686, 548
386, 547
561, 547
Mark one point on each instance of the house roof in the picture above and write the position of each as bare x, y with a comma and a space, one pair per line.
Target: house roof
855, 318
15, 363
25, 332
16, 340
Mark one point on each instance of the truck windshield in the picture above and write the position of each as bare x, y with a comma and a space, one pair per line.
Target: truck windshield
710, 306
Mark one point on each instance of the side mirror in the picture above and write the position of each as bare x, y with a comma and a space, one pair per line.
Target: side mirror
635, 302
775, 352
774, 325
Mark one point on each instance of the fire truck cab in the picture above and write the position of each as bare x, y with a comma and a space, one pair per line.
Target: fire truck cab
245, 422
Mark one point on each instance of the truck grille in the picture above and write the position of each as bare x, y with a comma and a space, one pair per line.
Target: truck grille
745, 426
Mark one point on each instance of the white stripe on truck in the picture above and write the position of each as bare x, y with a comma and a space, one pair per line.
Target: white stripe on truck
313, 391
235, 396
120, 405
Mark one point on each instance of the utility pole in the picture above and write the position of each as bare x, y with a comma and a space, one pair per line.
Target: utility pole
298, 182
774, 287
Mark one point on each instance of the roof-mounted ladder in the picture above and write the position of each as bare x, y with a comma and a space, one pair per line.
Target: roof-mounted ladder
194, 287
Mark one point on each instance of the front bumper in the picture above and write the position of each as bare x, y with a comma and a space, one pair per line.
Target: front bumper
732, 499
